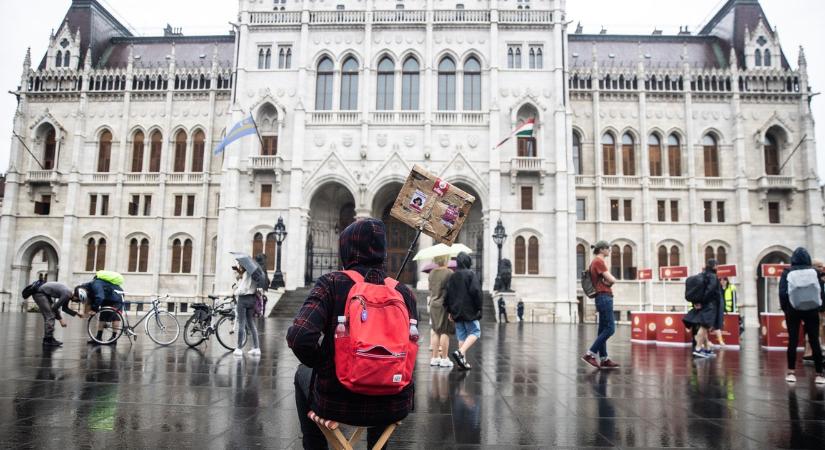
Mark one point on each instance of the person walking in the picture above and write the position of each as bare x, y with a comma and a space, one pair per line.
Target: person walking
602, 279
808, 357
791, 293
245, 293
44, 298
704, 316
463, 303
520, 310
719, 324
442, 327
502, 310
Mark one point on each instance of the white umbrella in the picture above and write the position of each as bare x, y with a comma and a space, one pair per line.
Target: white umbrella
442, 250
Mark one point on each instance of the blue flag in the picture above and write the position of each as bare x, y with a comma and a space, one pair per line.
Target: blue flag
243, 128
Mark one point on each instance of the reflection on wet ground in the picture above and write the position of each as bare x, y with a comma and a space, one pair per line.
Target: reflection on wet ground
528, 389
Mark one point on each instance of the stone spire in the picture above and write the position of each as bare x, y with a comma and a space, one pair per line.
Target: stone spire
733, 61
802, 61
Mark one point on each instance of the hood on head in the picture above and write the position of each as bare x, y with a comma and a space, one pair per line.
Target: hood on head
363, 243
800, 257
463, 261
260, 258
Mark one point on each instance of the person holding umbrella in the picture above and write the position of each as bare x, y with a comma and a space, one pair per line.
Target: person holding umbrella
250, 278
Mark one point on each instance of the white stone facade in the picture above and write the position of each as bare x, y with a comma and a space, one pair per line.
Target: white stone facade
345, 155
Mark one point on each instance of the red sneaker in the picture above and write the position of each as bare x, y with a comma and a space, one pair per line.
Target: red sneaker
609, 364
590, 359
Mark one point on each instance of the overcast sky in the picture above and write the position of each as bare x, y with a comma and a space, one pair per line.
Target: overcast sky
28, 23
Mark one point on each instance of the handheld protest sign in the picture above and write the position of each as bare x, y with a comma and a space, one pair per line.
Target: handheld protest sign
432, 205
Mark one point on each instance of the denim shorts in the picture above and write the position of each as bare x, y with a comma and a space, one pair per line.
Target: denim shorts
464, 329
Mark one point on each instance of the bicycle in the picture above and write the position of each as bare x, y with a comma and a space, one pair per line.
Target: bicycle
162, 327
200, 326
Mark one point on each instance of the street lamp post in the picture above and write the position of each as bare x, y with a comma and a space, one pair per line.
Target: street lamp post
280, 235
499, 235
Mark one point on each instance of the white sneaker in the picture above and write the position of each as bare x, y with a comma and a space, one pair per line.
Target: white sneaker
238, 352
446, 363
255, 352
819, 379
435, 362
790, 378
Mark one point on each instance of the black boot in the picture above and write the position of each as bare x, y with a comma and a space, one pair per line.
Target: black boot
51, 342
99, 337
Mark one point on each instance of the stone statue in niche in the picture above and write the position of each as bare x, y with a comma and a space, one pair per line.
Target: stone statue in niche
505, 271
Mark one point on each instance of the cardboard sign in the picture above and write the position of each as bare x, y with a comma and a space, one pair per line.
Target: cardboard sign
432, 204
673, 272
773, 270
726, 271
644, 274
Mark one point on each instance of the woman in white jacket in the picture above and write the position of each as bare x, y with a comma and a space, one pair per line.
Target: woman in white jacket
245, 293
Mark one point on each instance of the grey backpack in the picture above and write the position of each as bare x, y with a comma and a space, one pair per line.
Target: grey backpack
803, 290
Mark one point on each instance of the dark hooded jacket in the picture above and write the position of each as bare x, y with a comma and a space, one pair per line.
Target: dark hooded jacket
362, 247
463, 297
800, 260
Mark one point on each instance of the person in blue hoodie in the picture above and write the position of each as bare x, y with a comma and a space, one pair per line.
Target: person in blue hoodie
96, 294
800, 260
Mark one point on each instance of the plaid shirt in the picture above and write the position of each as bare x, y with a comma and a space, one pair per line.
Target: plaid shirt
311, 339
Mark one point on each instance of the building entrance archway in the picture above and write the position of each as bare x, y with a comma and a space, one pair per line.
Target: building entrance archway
771, 302
472, 232
38, 261
399, 235
331, 209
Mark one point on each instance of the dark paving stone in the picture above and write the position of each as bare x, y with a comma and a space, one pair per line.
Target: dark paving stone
528, 390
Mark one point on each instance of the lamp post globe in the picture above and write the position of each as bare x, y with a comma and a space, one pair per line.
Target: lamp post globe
280, 235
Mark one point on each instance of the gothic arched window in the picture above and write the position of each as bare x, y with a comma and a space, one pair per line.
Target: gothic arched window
722, 255
674, 256
662, 256
49, 149
616, 262
674, 156
154, 152
177, 250
771, 155
472, 83
95, 254
349, 84
137, 152
628, 155
533, 255
608, 154
180, 152
711, 156
757, 58
767, 59
521, 256
323, 85
104, 153
410, 84
198, 145
385, 89
577, 153
68, 55
446, 84
654, 153
581, 260
257, 244
58, 59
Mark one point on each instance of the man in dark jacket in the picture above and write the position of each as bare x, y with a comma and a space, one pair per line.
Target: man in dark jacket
463, 303
800, 260
362, 247
703, 316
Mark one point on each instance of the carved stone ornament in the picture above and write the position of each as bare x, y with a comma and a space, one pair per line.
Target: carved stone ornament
472, 141
319, 140
346, 139
382, 139
409, 140
444, 140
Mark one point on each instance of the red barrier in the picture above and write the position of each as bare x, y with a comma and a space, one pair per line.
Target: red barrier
643, 327
773, 332
730, 331
671, 331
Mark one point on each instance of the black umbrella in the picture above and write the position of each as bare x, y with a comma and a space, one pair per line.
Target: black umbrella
255, 271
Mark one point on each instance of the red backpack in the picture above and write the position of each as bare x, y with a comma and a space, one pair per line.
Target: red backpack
375, 355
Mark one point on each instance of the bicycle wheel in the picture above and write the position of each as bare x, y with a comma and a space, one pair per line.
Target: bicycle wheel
227, 334
108, 322
162, 327
193, 332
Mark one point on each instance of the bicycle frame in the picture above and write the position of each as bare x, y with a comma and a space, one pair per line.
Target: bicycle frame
129, 328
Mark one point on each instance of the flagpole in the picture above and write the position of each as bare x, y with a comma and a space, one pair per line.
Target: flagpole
260, 139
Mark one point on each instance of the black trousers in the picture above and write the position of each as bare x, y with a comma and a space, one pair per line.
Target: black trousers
313, 438
811, 323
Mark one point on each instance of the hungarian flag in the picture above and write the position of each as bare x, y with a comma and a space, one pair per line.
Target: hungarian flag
523, 130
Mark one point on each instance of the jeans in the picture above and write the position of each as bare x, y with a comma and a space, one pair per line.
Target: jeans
607, 324
44, 304
811, 320
246, 319
313, 438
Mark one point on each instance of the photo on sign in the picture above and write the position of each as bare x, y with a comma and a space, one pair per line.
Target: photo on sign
418, 200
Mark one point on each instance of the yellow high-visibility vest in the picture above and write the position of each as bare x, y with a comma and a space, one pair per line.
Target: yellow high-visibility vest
730, 296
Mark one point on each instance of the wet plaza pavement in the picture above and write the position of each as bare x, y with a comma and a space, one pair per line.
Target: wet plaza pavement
528, 389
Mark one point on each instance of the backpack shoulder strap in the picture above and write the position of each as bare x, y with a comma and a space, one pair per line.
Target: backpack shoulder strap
390, 282
354, 276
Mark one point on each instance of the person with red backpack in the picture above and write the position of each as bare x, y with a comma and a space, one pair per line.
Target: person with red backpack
356, 337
